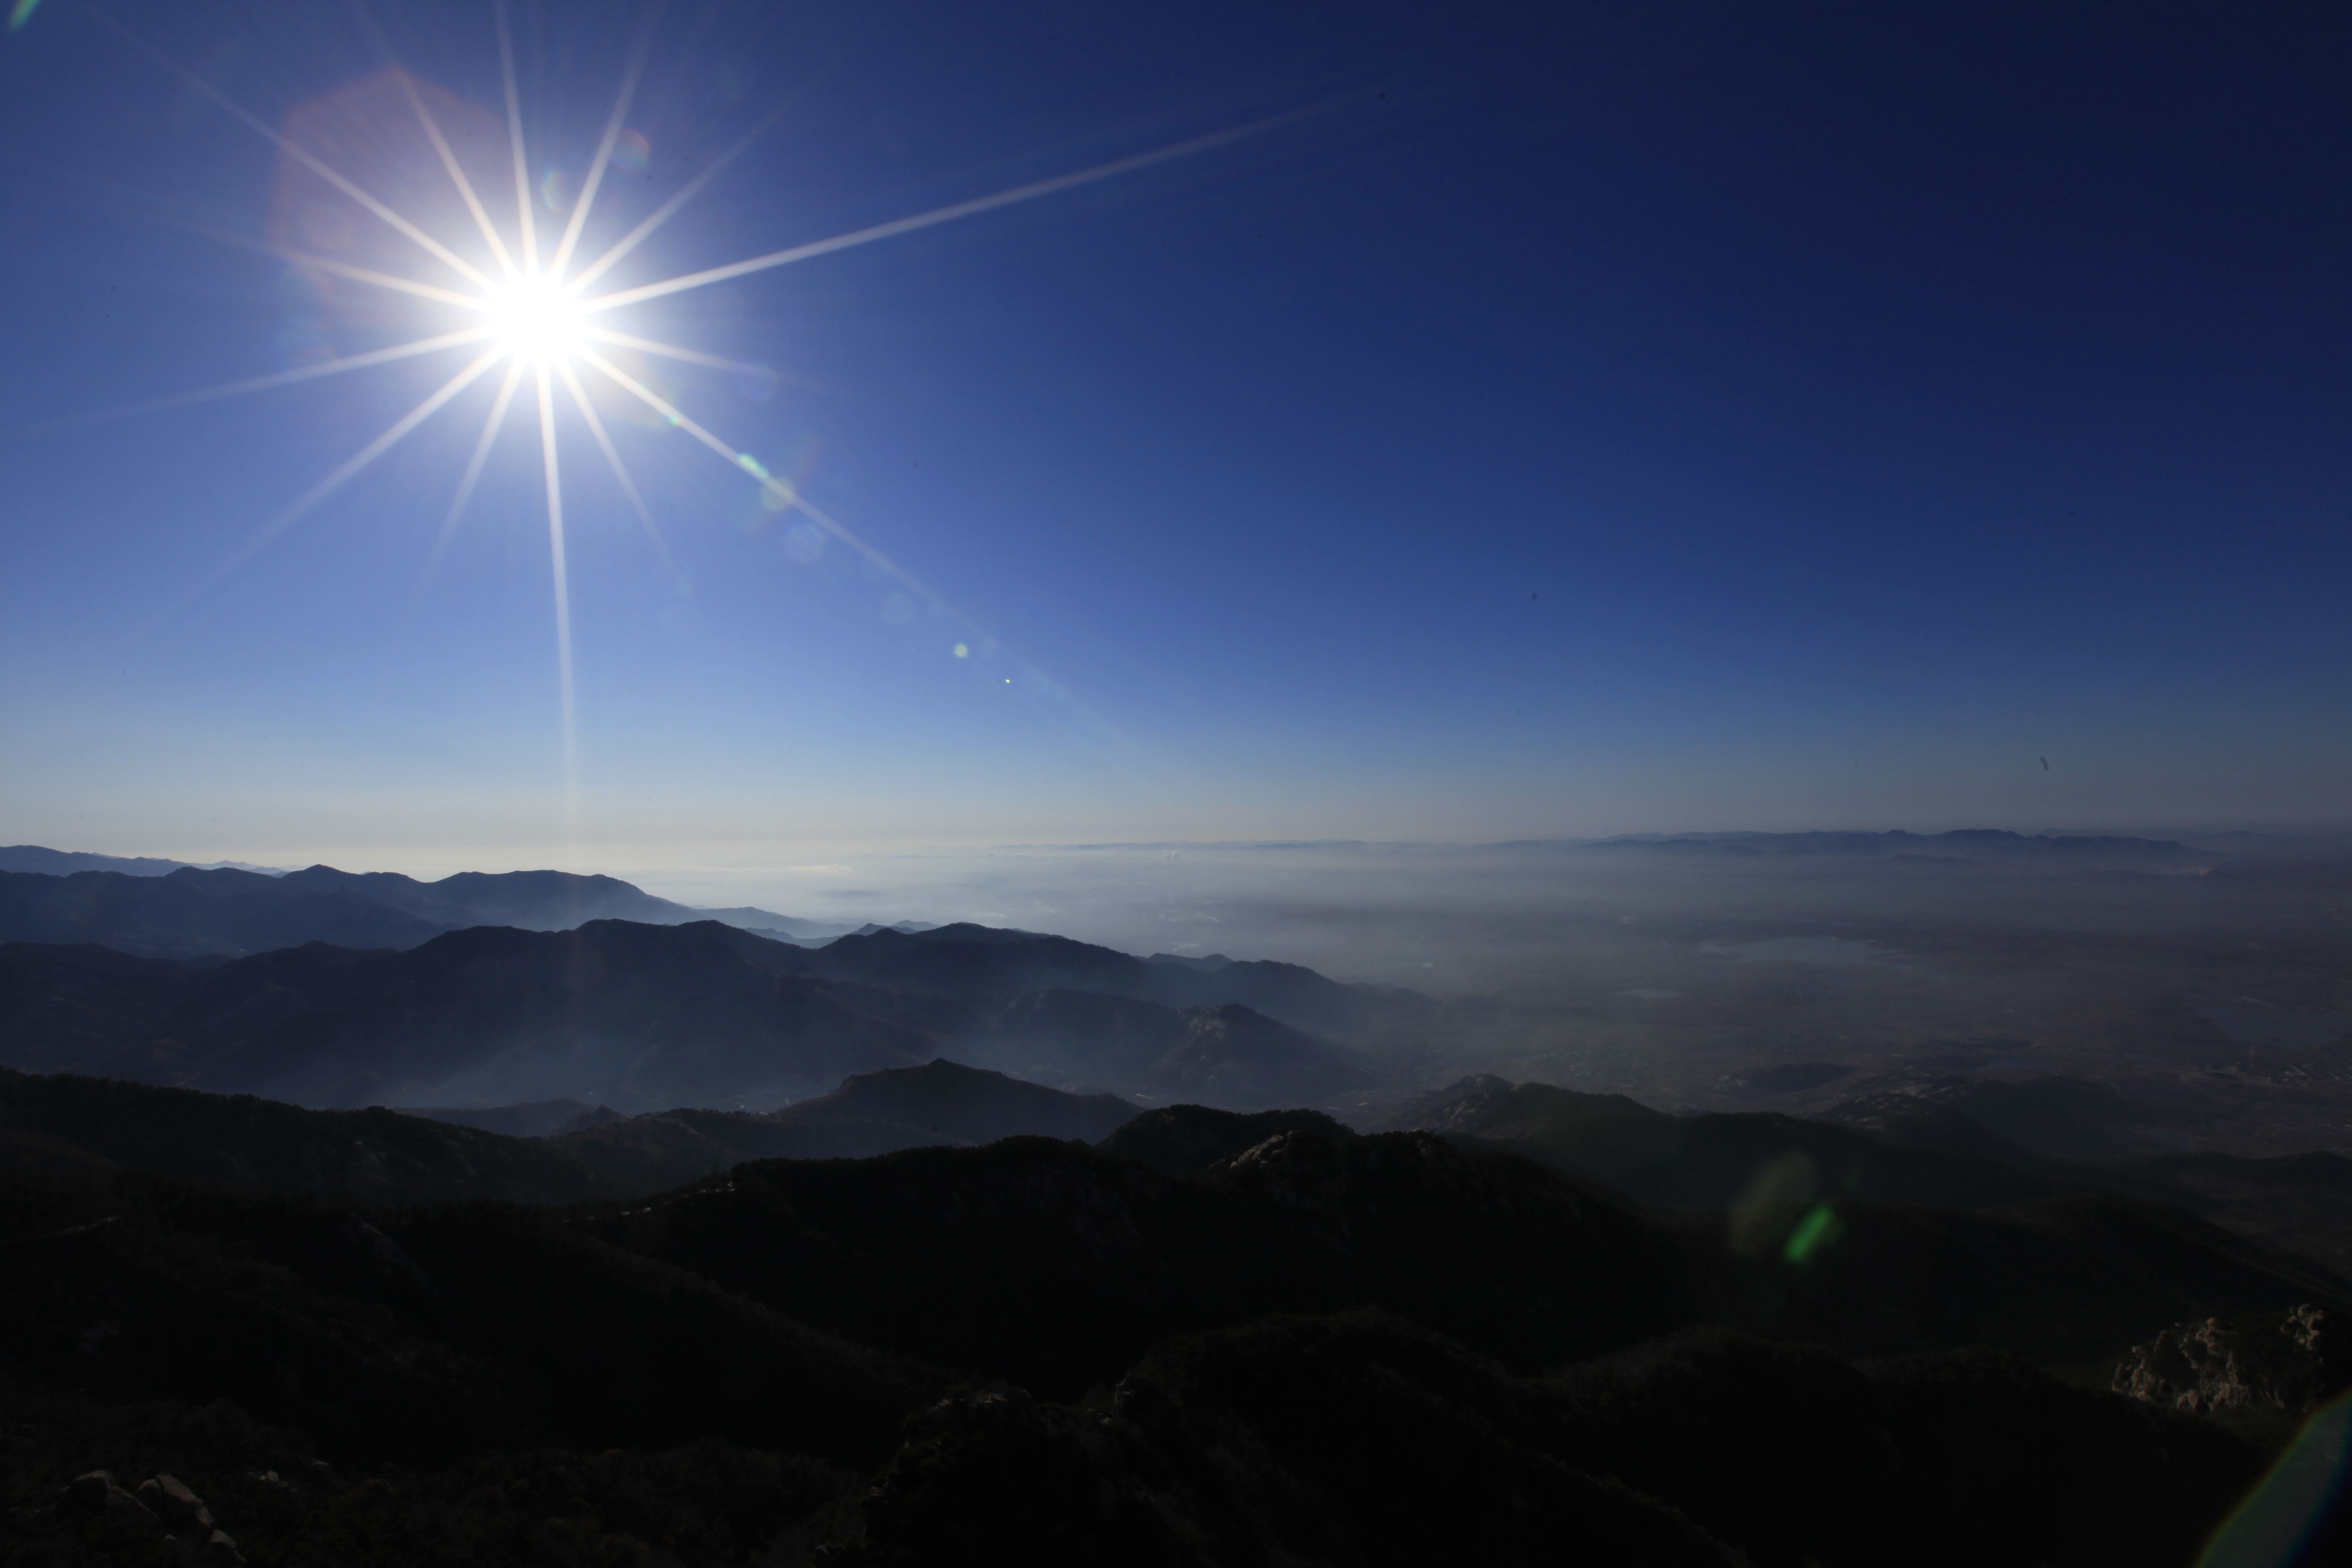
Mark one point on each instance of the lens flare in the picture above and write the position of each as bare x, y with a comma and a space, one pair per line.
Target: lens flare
354, 211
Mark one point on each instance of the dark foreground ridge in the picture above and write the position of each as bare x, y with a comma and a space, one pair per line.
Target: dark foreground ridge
1215, 1339
377, 1156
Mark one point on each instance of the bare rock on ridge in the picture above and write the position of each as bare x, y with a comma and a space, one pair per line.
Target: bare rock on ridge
2288, 1363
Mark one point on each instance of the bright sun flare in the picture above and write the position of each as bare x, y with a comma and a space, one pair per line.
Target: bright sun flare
543, 320
534, 319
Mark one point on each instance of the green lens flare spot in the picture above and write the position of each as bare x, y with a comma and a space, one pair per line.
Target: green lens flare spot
22, 14
750, 465
1819, 1228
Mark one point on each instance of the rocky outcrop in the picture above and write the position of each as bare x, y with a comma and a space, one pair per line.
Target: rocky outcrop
2292, 1362
163, 1505
94, 1494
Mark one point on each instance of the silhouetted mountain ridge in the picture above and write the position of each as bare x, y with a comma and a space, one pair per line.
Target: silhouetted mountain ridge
640, 1016
1384, 1349
162, 913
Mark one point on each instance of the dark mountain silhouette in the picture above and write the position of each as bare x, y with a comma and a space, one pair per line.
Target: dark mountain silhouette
379, 1156
1361, 1439
2059, 1117
1087, 1256
66, 862
98, 1127
534, 901
942, 1103
1900, 1147
1333, 1346
613, 1012
1082, 1260
2298, 1203
191, 912
1716, 1160
949, 1103
533, 1119
415, 1333
969, 960
155, 910
1228, 1054
640, 1016
1234, 1056
65, 1006
1085, 1035
1186, 1140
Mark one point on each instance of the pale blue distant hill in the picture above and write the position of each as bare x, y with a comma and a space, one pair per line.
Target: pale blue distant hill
66, 862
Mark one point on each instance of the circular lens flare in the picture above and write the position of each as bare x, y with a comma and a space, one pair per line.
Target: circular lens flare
534, 319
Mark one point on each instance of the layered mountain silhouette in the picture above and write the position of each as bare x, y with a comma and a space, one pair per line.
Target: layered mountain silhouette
634, 1015
190, 911
526, 1119
379, 1156
964, 959
1895, 1148
640, 1016
1716, 1160
65, 862
941, 1103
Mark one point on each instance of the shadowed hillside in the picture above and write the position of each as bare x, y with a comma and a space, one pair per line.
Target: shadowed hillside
68, 1123
461, 1355
1717, 1161
638, 1016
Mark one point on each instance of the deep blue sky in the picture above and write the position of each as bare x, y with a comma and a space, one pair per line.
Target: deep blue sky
1588, 419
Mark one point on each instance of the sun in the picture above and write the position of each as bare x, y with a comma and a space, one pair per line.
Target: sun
536, 320
540, 316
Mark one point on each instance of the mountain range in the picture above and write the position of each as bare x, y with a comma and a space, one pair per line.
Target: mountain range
164, 910
642, 1017
380, 1156
1206, 1337
65, 862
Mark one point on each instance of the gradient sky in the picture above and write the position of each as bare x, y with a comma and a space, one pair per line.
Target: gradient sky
1584, 420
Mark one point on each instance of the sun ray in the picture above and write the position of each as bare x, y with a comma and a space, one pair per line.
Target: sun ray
343, 472
362, 275
667, 350
433, 132
563, 589
597, 169
664, 213
296, 152
786, 494
457, 173
620, 470
1027, 192
473, 473
145, 204
514, 139
262, 383
792, 497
